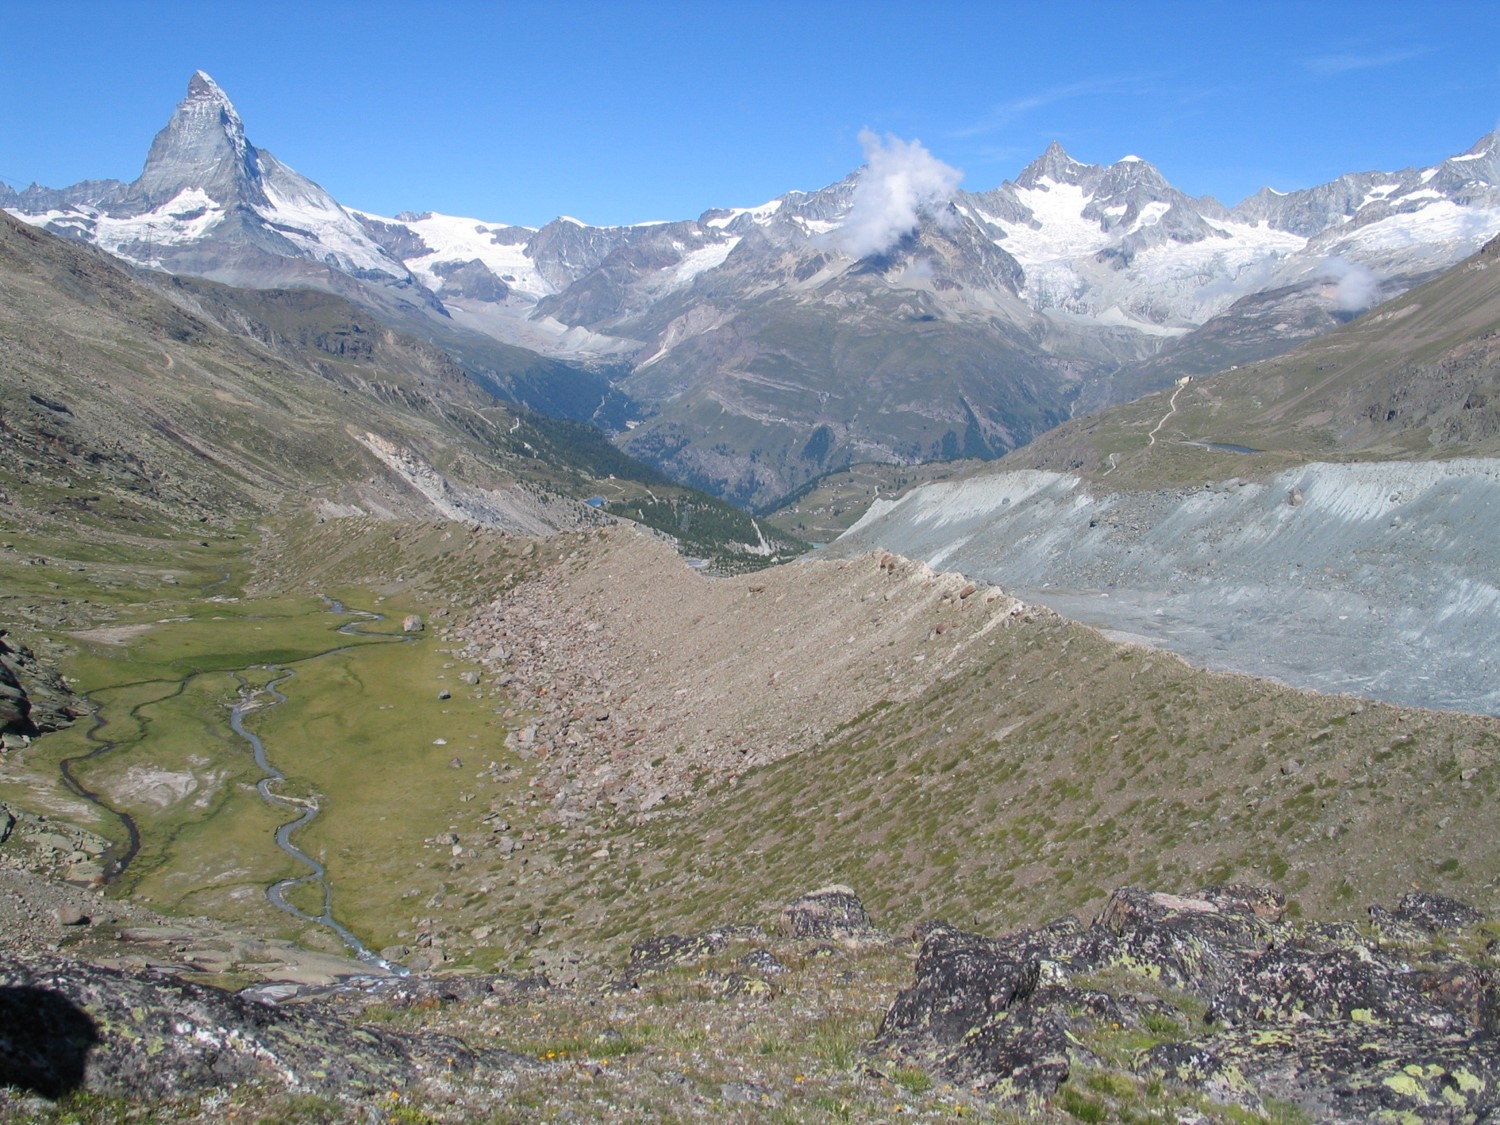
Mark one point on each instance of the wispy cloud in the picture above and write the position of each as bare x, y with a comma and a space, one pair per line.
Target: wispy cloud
1005, 113
1355, 287
1346, 61
900, 185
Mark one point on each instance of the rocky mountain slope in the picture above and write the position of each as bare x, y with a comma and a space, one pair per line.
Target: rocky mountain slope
1210, 1004
759, 348
123, 407
1215, 520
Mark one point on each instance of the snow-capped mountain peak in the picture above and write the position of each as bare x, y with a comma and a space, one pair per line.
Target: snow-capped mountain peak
1067, 272
1054, 166
202, 147
208, 202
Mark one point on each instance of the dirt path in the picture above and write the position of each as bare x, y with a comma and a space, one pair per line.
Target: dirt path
1171, 410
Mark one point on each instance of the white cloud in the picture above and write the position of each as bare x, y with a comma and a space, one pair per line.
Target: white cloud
1343, 63
901, 184
1355, 287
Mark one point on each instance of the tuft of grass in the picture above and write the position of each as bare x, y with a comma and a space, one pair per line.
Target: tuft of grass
836, 1041
912, 1079
1080, 1106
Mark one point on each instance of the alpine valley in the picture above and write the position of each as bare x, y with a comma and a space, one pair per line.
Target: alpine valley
751, 350
404, 720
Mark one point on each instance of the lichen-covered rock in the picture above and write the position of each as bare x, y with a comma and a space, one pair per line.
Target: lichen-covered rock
1337, 1071
742, 986
990, 1015
832, 913
1291, 984
1346, 1028
671, 951
1192, 942
1437, 913
1466, 991
66, 1025
962, 981
966, 1016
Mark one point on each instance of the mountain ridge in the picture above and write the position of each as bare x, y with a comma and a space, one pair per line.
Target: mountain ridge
709, 346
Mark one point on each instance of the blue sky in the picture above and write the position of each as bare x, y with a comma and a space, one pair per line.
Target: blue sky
622, 112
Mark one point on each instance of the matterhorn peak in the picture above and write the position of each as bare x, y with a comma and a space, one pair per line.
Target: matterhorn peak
201, 86
203, 146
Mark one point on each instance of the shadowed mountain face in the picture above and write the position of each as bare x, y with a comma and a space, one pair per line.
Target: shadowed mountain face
128, 408
751, 350
149, 404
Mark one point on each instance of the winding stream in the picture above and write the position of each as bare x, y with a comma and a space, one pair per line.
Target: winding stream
250, 701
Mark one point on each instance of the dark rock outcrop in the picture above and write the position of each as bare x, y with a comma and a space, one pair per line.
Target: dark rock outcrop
34, 699
1344, 1027
66, 1025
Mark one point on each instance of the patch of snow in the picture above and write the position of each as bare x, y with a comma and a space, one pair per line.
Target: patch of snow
761, 215
454, 238
1151, 214
1064, 232
1423, 193
329, 228
818, 226
704, 258
1442, 221
185, 218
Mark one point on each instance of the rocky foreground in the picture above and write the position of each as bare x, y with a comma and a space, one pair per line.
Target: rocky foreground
1216, 992
1190, 1007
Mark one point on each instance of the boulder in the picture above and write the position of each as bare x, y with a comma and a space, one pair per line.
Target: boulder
34, 698
762, 961
411, 623
1437, 913
671, 951
832, 913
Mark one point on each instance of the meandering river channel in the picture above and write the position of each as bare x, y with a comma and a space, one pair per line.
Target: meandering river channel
250, 700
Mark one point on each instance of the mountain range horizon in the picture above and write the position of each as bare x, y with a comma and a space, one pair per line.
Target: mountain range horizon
887, 317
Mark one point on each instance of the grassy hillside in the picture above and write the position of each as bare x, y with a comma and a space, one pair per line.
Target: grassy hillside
1035, 768
1417, 377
